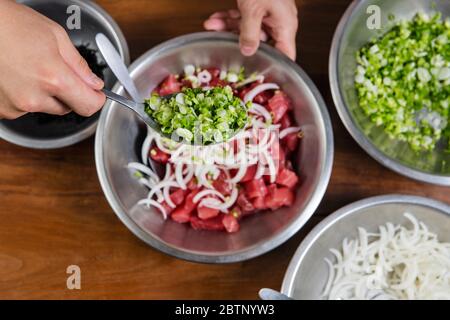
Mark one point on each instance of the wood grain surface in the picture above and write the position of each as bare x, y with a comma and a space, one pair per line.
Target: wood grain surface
53, 213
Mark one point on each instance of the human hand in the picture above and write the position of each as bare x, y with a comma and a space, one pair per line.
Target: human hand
258, 20
41, 70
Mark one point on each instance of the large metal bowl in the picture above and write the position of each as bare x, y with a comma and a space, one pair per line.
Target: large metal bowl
27, 131
120, 135
307, 273
352, 33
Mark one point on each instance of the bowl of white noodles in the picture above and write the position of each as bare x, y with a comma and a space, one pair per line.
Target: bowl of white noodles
392, 247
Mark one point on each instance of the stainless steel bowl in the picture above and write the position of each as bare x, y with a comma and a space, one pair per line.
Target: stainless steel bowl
307, 273
25, 131
351, 34
120, 135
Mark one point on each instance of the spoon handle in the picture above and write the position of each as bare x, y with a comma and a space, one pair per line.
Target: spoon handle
123, 101
138, 108
117, 66
269, 294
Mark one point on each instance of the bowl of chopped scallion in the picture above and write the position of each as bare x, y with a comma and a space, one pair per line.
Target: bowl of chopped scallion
390, 79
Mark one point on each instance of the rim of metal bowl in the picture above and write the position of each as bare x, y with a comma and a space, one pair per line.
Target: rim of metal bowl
347, 118
252, 251
76, 137
291, 272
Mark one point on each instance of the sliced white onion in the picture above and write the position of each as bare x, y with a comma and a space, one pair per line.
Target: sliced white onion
168, 172
162, 185
232, 77
159, 195
288, 131
394, 263
240, 174
259, 109
212, 203
178, 155
149, 202
229, 202
189, 70
250, 79
167, 198
162, 146
260, 170
146, 148
144, 169
204, 76
258, 89
242, 135
179, 176
189, 174
272, 167
202, 176
207, 192
148, 183
194, 81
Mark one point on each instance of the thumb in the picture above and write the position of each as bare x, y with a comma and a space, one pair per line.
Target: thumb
76, 62
250, 30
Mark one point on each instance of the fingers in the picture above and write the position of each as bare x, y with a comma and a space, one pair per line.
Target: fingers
53, 106
287, 49
283, 22
223, 21
215, 24
228, 21
280, 24
285, 37
8, 112
75, 61
286, 43
73, 92
251, 23
233, 14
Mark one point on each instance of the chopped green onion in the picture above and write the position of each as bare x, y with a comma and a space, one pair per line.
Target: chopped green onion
210, 116
403, 81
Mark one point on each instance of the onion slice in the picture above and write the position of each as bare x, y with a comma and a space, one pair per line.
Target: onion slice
207, 192
144, 169
288, 131
258, 89
146, 148
259, 109
149, 202
162, 185
250, 79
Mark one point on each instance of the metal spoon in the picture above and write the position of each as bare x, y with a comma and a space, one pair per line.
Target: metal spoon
270, 294
115, 63
137, 107
120, 70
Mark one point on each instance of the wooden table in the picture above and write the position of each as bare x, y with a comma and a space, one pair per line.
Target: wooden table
53, 213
